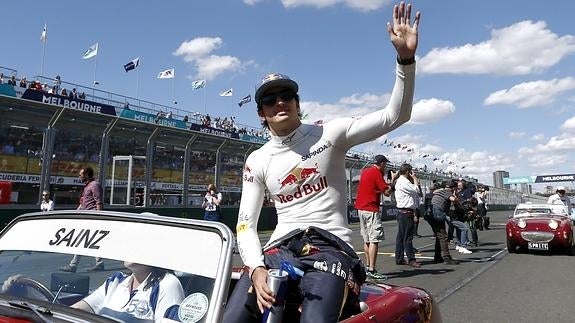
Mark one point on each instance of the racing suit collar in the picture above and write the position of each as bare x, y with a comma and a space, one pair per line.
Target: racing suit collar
291, 139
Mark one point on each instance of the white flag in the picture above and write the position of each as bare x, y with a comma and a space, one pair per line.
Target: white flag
91, 52
167, 74
44, 35
198, 84
229, 92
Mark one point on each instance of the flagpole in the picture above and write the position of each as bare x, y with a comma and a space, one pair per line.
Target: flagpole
138, 86
95, 64
173, 90
43, 55
205, 99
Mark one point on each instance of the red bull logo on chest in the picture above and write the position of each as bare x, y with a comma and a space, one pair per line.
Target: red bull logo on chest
304, 190
297, 175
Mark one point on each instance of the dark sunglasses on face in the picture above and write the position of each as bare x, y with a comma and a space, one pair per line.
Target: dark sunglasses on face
271, 99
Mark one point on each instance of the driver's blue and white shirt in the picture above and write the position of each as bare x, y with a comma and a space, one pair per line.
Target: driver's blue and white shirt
114, 298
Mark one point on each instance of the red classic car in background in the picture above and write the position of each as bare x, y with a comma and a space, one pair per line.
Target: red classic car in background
540, 227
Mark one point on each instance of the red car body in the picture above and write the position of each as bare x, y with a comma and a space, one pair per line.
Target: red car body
540, 227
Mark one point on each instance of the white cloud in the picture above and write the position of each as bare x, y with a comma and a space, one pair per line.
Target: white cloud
212, 66
569, 125
198, 52
510, 50
431, 110
530, 94
351, 106
564, 142
198, 48
546, 161
361, 5
537, 137
516, 134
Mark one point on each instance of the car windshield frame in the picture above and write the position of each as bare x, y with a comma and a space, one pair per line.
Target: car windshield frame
200, 253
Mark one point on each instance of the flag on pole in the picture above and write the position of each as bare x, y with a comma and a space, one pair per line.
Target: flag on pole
132, 64
44, 35
198, 84
245, 100
229, 92
91, 52
167, 74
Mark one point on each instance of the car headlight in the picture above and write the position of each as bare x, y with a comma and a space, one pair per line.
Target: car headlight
521, 223
553, 224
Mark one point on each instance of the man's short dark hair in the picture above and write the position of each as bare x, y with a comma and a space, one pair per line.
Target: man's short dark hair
405, 169
88, 172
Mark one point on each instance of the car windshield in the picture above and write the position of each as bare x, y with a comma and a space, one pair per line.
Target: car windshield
532, 212
127, 269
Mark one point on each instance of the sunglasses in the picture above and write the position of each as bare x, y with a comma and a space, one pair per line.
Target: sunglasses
271, 99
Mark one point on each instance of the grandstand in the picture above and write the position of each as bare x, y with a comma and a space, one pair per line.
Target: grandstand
144, 159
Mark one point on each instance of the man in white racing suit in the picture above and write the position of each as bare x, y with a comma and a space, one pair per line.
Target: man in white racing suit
303, 168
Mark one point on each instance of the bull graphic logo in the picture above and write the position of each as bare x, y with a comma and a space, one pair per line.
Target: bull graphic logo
297, 175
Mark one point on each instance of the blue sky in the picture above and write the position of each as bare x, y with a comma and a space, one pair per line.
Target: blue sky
495, 88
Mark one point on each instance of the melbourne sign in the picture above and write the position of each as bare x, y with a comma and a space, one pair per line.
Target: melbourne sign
555, 178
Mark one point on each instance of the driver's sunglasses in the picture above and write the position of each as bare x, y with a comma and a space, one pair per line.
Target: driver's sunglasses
271, 99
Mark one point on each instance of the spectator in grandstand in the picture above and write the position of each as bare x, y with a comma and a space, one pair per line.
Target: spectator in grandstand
407, 193
82, 96
64, 92
367, 203
303, 167
47, 203
560, 195
211, 204
12, 80
144, 295
23, 82
1, 78
169, 116
185, 118
91, 199
127, 106
52, 90
38, 86
73, 94
57, 84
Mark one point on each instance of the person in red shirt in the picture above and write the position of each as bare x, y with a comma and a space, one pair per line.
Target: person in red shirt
371, 186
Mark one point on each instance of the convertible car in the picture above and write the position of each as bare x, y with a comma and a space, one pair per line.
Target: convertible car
155, 269
540, 227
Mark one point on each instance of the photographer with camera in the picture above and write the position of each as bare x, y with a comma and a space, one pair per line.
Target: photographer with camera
407, 194
211, 204
481, 196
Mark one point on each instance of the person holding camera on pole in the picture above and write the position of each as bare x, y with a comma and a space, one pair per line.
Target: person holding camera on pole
211, 204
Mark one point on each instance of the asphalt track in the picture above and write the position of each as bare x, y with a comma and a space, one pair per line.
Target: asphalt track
489, 285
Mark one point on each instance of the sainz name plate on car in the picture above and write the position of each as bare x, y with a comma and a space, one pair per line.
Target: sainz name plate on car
538, 245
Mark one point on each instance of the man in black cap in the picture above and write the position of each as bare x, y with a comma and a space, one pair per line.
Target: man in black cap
367, 203
302, 167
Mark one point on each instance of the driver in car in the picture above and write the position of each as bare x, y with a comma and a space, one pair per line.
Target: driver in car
143, 296
303, 169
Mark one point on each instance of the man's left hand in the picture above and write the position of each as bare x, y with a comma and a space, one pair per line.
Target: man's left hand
402, 34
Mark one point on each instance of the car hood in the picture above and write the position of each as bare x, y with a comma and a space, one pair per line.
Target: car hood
540, 220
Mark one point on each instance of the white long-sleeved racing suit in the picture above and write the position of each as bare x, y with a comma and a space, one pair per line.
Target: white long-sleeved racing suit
305, 172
